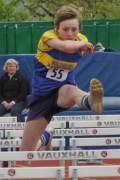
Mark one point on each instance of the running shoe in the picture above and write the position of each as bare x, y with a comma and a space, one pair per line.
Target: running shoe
96, 96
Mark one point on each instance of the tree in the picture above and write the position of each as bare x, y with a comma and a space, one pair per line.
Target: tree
37, 10
8, 12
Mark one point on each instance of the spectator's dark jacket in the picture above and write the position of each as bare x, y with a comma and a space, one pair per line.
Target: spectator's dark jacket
14, 89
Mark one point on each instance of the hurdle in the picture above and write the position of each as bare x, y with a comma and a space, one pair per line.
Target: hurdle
15, 143
93, 123
87, 132
17, 126
58, 125
33, 172
102, 126
20, 126
99, 141
76, 172
70, 132
8, 119
60, 155
75, 143
86, 117
69, 118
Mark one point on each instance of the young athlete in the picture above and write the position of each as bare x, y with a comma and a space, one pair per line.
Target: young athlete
53, 84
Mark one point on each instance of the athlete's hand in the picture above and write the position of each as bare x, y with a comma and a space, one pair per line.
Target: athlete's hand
87, 47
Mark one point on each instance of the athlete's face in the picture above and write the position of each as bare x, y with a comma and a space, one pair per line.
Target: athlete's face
68, 29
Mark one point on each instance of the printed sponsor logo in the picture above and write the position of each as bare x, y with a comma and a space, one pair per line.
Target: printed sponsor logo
119, 170
99, 123
12, 125
104, 153
11, 172
112, 123
71, 132
108, 141
109, 123
30, 155
71, 118
97, 118
94, 131
10, 143
65, 155
114, 141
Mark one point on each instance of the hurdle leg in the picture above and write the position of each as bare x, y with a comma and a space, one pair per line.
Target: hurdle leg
62, 162
59, 177
75, 175
29, 164
74, 162
5, 164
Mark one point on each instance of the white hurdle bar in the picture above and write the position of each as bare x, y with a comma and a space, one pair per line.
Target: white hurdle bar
20, 126
104, 141
71, 132
76, 172
33, 172
15, 143
87, 132
70, 118
8, 119
86, 117
59, 155
95, 123
17, 126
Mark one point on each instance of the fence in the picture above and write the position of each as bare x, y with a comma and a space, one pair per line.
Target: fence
22, 38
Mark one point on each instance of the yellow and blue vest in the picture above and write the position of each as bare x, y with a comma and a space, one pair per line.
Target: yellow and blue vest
59, 62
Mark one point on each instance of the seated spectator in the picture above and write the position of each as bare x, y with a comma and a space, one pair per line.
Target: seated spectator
13, 90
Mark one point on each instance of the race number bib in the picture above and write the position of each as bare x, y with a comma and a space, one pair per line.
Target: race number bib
57, 74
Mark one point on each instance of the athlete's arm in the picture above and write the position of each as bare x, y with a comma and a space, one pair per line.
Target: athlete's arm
69, 45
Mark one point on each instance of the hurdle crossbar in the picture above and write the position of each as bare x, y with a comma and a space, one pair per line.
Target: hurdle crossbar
96, 141
70, 118
87, 132
57, 124
15, 143
32, 172
59, 155
94, 171
95, 123
86, 117
72, 132
20, 126
8, 119
12, 125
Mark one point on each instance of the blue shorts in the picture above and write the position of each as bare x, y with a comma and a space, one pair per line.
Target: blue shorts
45, 106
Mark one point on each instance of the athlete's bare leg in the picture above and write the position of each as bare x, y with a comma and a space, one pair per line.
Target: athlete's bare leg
68, 96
